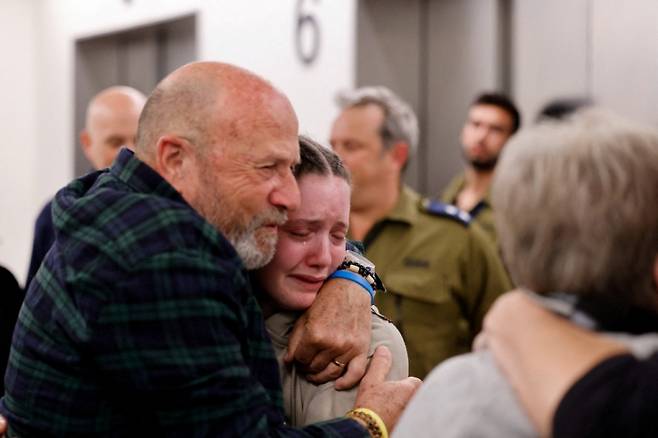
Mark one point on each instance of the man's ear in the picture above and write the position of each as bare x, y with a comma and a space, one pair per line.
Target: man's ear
399, 153
173, 156
85, 142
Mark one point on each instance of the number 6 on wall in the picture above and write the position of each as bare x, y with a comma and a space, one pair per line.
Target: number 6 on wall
307, 35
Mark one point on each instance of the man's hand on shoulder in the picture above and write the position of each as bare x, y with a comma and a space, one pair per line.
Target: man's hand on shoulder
332, 338
386, 399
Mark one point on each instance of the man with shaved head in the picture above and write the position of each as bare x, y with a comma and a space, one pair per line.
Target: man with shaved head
142, 321
111, 123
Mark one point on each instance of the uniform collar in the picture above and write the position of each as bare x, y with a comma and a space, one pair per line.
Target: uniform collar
487, 197
406, 209
449, 195
404, 212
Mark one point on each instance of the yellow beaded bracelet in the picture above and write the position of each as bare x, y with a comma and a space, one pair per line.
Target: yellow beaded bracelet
374, 423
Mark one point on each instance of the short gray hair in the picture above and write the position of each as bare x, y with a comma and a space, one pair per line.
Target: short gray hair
400, 122
576, 205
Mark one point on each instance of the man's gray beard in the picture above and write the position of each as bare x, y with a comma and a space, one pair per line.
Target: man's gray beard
243, 239
252, 253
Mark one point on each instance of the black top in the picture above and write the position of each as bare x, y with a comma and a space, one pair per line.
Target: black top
618, 397
11, 298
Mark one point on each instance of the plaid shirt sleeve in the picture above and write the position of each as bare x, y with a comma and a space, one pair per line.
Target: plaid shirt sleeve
141, 322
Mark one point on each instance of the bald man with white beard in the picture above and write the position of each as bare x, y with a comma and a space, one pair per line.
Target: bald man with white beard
142, 320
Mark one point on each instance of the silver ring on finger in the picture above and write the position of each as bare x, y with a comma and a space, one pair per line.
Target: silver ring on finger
338, 363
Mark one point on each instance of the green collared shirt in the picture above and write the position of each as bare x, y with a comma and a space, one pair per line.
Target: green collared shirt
482, 213
441, 275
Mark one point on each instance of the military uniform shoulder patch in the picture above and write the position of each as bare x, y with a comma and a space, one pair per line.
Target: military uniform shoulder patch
438, 208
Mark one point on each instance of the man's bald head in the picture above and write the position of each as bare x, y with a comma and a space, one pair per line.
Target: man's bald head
207, 103
111, 122
226, 140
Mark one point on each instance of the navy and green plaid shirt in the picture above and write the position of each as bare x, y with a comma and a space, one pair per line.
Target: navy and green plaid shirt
141, 321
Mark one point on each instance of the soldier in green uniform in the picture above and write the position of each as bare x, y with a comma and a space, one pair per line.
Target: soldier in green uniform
441, 271
491, 121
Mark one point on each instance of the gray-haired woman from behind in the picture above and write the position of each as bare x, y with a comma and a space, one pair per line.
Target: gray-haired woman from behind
577, 215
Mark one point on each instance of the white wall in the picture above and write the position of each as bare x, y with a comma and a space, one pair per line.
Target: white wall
604, 49
18, 149
256, 34
550, 52
625, 57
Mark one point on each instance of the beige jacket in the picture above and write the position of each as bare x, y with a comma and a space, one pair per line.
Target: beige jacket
307, 403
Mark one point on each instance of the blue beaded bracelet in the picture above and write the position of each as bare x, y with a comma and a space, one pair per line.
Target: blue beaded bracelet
349, 275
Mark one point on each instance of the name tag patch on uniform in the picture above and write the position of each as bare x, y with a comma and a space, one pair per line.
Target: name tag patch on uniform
415, 263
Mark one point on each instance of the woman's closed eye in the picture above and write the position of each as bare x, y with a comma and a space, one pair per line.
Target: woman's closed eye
300, 234
338, 237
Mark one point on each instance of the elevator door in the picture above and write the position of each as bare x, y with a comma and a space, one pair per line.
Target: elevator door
137, 57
